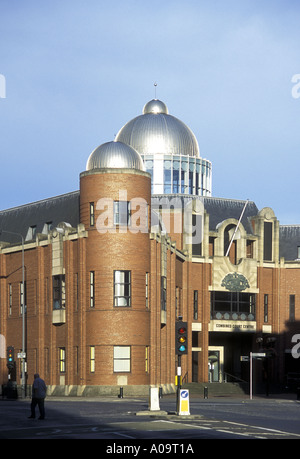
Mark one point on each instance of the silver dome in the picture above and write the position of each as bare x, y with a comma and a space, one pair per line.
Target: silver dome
155, 131
155, 106
115, 155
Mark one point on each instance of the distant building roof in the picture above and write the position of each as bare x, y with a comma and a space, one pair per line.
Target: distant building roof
40, 216
47, 213
289, 241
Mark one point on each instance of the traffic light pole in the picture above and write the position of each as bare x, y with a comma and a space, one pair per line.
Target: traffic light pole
178, 382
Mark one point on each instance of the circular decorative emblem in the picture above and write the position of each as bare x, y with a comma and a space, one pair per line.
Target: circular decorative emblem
235, 282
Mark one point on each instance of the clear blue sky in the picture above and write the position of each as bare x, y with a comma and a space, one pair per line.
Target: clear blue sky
77, 71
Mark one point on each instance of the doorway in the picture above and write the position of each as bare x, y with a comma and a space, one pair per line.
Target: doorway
215, 363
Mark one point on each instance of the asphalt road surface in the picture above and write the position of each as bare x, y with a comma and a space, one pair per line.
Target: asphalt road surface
126, 421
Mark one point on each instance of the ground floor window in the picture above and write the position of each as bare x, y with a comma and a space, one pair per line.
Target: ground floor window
121, 359
232, 306
62, 360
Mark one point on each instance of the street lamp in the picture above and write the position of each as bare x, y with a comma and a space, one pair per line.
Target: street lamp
23, 381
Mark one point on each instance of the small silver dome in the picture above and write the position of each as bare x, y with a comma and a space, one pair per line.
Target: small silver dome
155, 106
155, 131
115, 155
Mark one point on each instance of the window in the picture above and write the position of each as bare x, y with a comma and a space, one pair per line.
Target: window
147, 290
228, 234
92, 289
23, 296
266, 307
62, 360
176, 181
121, 359
195, 304
121, 213
31, 233
233, 305
167, 179
191, 176
249, 249
178, 302
122, 288
47, 228
196, 235
268, 230
59, 292
10, 299
92, 214
147, 368
92, 359
163, 294
292, 308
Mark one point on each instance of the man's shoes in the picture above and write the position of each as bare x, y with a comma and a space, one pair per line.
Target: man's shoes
41, 417
31, 417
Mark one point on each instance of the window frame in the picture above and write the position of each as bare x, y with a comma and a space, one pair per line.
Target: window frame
124, 286
120, 359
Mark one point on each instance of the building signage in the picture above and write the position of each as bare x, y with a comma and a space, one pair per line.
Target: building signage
232, 326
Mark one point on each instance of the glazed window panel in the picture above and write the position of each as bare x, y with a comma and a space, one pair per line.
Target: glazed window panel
92, 214
122, 359
92, 359
92, 289
233, 306
122, 288
62, 360
292, 309
59, 292
121, 213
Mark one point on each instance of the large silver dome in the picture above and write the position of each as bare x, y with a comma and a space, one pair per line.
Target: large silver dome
155, 131
115, 155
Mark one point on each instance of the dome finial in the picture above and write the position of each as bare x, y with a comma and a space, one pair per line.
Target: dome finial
155, 86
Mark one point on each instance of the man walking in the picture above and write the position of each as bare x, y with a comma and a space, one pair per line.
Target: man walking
38, 396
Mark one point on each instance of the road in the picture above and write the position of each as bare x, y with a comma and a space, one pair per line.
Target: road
117, 420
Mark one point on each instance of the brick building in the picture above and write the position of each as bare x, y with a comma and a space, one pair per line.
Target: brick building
109, 269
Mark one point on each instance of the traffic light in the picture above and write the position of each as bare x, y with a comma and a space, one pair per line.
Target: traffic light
10, 357
181, 339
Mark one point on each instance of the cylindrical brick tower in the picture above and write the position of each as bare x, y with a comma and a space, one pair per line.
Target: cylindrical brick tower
115, 197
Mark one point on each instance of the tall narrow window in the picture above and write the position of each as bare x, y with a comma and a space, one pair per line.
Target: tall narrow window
92, 214
92, 289
23, 295
122, 288
292, 308
147, 367
268, 230
59, 292
147, 290
92, 359
121, 213
62, 360
121, 359
9, 299
175, 181
163, 294
195, 304
266, 308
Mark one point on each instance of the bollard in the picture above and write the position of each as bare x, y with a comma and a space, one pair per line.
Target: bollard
160, 392
205, 392
121, 393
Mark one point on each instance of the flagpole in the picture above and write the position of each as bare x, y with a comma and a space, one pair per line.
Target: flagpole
246, 203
